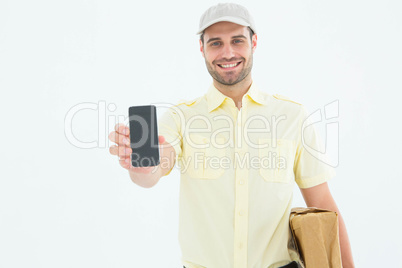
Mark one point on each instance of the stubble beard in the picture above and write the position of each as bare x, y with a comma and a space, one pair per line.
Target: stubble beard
232, 80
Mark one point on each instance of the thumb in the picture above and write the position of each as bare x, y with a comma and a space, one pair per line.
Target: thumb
161, 139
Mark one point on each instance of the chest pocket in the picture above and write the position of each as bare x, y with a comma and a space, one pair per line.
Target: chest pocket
203, 157
276, 160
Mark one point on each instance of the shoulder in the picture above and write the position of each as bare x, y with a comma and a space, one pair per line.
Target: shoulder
189, 102
186, 102
288, 106
283, 98
183, 106
192, 103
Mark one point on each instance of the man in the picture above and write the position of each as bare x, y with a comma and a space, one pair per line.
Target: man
240, 153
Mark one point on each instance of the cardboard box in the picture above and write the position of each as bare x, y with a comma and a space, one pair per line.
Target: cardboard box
316, 235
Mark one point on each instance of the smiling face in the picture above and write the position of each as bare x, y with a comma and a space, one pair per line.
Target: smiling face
228, 52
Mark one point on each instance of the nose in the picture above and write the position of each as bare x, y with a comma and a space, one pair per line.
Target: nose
228, 52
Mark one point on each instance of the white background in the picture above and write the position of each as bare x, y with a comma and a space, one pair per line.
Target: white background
66, 206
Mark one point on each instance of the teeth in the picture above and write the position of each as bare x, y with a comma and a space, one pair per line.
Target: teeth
229, 65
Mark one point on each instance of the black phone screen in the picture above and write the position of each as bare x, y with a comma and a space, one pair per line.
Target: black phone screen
144, 136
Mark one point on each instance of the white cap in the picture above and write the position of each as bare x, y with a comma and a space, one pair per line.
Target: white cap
226, 12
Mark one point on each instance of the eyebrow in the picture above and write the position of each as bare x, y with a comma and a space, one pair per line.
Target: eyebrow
233, 37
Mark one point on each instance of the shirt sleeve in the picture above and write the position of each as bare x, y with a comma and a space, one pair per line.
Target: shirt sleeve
311, 165
170, 128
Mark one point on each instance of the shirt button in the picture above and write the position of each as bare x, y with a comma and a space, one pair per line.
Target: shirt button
241, 182
240, 245
241, 213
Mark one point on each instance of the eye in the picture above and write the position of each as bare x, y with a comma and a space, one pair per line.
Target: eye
214, 43
238, 41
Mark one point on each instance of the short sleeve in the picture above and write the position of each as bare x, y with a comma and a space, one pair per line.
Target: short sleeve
170, 128
311, 166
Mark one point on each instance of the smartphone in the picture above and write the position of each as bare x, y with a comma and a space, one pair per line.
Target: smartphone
144, 136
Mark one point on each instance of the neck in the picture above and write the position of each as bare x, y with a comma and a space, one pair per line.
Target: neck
236, 91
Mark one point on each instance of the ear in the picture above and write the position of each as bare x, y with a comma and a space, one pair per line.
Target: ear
202, 48
254, 42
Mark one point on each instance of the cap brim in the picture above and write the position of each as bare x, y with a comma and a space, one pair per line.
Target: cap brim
226, 18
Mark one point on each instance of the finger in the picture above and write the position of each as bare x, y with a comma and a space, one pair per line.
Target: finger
120, 151
118, 126
121, 140
124, 140
124, 163
113, 136
122, 129
113, 149
124, 151
161, 139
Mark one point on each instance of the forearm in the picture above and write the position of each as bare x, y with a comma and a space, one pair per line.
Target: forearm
320, 196
346, 251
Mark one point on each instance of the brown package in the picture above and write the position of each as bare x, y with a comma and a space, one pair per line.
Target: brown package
316, 236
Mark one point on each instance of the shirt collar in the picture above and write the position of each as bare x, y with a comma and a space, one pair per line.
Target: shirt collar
215, 97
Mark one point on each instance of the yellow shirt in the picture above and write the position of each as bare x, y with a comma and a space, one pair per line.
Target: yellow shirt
238, 169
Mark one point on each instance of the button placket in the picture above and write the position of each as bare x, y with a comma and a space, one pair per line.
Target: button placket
241, 197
